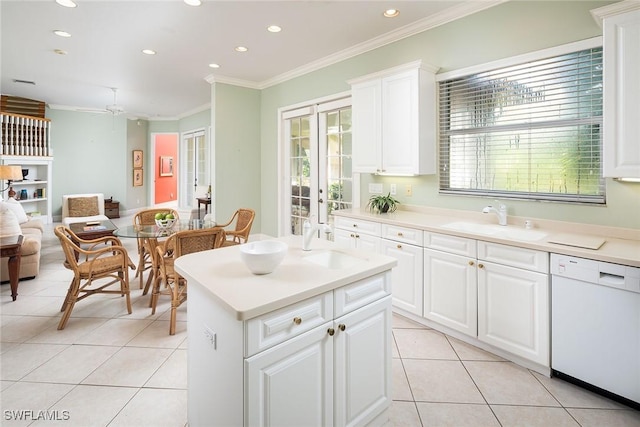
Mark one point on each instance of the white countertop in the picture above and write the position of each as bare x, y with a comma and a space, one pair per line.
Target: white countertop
622, 246
247, 295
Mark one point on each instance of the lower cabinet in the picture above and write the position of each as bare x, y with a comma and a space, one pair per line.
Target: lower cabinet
450, 290
338, 373
513, 310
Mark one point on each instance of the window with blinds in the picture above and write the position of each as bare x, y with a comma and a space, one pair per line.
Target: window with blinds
530, 131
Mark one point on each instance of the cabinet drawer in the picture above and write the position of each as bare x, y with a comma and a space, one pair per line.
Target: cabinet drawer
528, 259
361, 293
402, 234
451, 244
359, 225
278, 326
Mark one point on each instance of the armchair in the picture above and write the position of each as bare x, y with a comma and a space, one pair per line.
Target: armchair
240, 234
95, 269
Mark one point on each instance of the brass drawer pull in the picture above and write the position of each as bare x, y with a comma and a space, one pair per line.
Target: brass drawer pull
342, 327
471, 263
297, 320
331, 331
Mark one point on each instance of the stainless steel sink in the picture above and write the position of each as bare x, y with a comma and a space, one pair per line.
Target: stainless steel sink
500, 231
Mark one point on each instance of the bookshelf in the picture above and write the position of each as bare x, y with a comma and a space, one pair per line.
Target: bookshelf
37, 187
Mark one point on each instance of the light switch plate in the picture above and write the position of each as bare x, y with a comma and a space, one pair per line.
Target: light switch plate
392, 189
408, 190
375, 188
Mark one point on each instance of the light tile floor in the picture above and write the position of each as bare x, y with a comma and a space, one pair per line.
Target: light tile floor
110, 368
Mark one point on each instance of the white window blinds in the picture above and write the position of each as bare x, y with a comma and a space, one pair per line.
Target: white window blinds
531, 130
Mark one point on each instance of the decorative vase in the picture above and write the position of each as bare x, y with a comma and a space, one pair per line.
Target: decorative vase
12, 194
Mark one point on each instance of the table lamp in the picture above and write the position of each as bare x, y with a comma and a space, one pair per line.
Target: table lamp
10, 173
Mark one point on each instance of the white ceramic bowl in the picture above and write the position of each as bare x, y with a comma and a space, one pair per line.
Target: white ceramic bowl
262, 257
165, 223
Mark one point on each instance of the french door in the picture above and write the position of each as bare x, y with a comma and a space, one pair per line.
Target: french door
195, 168
317, 171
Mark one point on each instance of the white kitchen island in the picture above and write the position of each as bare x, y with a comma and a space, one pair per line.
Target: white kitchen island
307, 345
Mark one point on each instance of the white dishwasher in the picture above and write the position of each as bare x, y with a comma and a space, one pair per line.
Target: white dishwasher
595, 325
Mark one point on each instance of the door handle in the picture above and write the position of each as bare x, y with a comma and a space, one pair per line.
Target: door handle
320, 201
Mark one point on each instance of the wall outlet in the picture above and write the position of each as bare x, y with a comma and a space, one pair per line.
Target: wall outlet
408, 190
375, 188
211, 337
392, 189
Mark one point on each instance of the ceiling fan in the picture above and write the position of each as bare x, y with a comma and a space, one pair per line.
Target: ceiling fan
114, 108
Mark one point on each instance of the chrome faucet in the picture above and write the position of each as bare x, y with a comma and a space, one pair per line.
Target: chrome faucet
501, 212
308, 231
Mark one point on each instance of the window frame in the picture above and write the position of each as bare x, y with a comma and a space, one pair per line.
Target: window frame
591, 43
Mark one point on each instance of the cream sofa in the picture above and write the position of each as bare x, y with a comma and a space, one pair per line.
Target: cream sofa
83, 208
30, 253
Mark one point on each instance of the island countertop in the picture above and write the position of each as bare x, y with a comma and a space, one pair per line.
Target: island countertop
222, 272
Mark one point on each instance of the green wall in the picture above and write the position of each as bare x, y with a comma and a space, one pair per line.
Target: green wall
502, 31
237, 155
89, 155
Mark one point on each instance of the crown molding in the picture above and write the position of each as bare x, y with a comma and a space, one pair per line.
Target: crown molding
444, 17
614, 9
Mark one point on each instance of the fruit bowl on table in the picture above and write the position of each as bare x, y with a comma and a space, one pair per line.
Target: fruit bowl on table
165, 224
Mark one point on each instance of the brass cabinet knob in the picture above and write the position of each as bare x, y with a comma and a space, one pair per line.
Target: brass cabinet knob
297, 320
480, 265
399, 246
471, 263
357, 236
399, 234
342, 327
331, 331
355, 225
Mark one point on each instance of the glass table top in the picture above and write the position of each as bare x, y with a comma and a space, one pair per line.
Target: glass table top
153, 231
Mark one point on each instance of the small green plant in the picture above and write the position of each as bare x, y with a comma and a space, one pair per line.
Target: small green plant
382, 204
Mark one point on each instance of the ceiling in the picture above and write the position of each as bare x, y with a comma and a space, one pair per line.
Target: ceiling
107, 37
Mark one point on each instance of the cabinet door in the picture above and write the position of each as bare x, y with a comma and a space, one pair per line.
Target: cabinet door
406, 276
450, 291
362, 363
366, 114
344, 238
513, 310
291, 384
621, 94
368, 243
400, 142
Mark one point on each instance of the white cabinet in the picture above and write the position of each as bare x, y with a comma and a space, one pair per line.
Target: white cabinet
497, 293
36, 197
405, 245
450, 282
357, 234
337, 373
621, 32
292, 384
513, 303
394, 121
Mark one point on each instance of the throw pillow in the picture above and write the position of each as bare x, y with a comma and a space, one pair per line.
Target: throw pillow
8, 222
17, 209
83, 206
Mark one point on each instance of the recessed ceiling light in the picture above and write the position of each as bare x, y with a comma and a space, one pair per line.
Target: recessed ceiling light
149, 51
391, 13
61, 33
274, 29
241, 49
193, 2
213, 65
66, 3
60, 51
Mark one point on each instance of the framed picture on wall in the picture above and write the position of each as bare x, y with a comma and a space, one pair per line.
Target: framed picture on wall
166, 166
138, 177
137, 158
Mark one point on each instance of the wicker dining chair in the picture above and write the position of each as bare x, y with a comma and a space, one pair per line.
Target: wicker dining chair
146, 250
240, 234
168, 281
94, 270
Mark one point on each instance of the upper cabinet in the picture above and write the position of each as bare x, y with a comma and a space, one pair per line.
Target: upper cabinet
394, 121
621, 32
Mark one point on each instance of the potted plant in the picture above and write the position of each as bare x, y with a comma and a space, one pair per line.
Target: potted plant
382, 204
